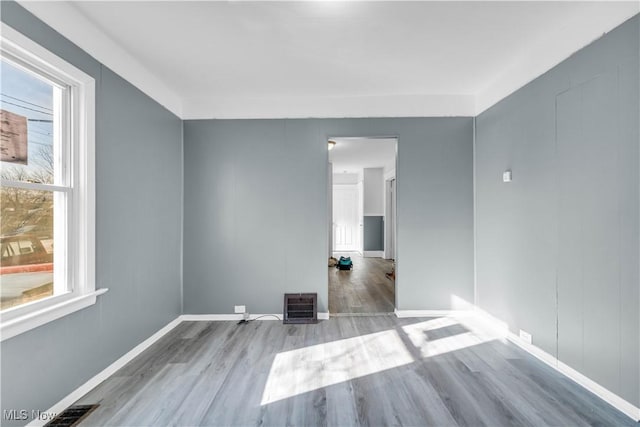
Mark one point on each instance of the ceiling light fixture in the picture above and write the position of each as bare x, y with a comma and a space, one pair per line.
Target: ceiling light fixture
331, 144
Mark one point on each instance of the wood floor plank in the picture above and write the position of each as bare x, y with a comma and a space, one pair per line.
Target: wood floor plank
341, 406
346, 371
213, 372
364, 289
580, 403
239, 390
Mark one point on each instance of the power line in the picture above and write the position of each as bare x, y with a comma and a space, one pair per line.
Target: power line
41, 128
26, 102
27, 108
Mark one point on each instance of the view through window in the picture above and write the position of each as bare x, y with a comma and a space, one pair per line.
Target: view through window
30, 113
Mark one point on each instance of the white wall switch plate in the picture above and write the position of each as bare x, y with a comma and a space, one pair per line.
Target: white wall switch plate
506, 176
240, 308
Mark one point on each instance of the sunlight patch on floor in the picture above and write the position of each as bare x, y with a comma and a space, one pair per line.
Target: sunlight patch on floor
310, 368
418, 333
437, 323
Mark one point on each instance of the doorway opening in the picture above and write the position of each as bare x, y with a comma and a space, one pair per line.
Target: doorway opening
362, 225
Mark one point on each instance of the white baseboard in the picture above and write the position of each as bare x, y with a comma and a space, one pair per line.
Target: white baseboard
85, 388
227, 317
608, 396
613, 399
429, 313
373, 254
233, 317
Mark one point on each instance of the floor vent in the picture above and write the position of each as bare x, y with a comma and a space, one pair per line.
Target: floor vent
300, 308
72, 416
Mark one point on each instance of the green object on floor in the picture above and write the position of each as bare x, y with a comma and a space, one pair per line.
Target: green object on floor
345, 263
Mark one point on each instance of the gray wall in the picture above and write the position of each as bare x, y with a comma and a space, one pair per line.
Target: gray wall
256, 210
138, 227
557, 248
373, 232
373, 191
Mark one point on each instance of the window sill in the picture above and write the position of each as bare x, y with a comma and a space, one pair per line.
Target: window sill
47, 314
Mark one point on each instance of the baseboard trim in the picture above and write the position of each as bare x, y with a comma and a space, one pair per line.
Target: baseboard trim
85, 388
608, 396
373, 254
429, 313
227, 317
373, 314
234, 317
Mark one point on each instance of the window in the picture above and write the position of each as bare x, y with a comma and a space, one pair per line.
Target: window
47, 208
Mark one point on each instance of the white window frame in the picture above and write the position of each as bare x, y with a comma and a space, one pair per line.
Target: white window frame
78, 147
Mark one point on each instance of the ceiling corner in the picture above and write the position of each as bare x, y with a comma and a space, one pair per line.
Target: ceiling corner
67, 20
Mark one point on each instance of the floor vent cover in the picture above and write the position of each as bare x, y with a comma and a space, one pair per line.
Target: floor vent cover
72, 416
300, 308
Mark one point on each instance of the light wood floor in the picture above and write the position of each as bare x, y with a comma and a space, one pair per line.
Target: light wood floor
376, 370
365, 289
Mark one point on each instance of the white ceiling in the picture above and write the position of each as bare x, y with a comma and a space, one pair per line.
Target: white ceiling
351, 155
241, 59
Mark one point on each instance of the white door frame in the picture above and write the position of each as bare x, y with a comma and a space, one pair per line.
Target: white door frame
360, 186
394, 207
389, 217
330, 206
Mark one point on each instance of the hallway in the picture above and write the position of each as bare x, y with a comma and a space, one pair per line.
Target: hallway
363, 290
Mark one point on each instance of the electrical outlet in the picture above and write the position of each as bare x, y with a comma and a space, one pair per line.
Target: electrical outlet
240, 309
525, 336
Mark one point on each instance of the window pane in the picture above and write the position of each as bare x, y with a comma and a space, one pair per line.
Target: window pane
28, 126
26, 254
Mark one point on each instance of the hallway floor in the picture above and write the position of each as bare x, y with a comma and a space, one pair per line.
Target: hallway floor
364, 289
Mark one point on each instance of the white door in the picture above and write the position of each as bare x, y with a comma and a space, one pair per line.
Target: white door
345, 218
